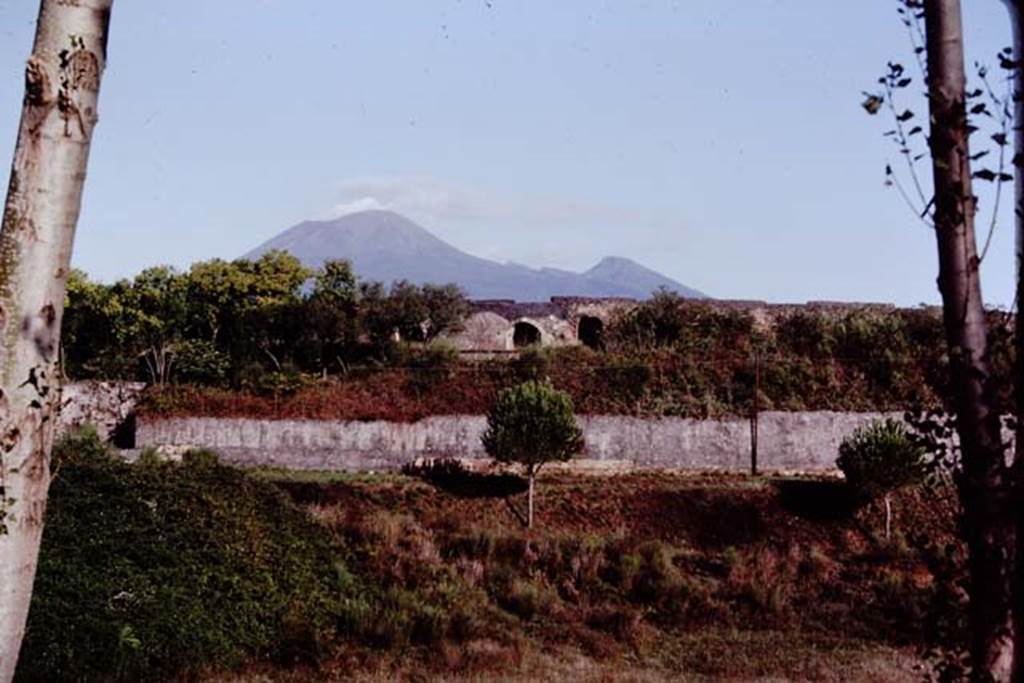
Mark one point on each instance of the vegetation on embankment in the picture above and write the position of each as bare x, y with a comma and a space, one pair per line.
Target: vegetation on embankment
657, 576
152, 570
269, 338
666, 358
160, 570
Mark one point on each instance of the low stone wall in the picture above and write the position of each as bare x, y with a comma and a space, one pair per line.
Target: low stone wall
787, 441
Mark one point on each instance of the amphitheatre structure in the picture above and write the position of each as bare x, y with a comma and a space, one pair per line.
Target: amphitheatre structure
497, 326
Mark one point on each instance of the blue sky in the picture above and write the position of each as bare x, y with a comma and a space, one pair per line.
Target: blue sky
718, 141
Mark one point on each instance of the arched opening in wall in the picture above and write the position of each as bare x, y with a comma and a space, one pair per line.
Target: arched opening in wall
123, 435
525, 334
590, 332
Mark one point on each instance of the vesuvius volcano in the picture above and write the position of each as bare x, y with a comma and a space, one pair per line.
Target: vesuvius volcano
385, 246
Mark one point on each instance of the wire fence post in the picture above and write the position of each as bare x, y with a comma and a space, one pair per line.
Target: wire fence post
755, 408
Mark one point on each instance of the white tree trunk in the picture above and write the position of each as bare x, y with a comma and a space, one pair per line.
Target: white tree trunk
1016, 18
1014, 8
62, 80
1017, 26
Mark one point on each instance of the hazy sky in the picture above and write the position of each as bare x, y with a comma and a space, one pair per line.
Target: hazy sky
718, 141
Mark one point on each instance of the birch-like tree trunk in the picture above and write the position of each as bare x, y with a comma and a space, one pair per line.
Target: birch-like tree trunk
1016, 18
62, 80
985, 484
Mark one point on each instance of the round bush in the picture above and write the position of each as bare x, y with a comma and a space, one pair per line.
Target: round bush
880, 457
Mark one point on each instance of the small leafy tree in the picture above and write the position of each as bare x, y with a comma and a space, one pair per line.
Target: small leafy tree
880, 458
531, 424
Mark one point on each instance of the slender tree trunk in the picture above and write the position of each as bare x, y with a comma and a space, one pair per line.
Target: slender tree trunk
159, 365
529, 500
1014, 8
755, 416
888, 517
985, 481
62, 80
273, 358
1016, 18
150, 368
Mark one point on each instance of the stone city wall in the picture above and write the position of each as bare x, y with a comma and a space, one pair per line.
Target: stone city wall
805, 441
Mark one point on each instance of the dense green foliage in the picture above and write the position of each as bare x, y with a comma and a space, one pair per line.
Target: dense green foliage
531, 424
808, 358
253, 324
880, 458
151, 570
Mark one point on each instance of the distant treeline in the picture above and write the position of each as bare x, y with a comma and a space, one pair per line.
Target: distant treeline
245, 323
324, 344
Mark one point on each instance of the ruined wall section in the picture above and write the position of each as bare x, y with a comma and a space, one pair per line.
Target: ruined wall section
108, 406
491, 326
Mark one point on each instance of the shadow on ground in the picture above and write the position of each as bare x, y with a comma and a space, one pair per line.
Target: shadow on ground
817, 500
452, 477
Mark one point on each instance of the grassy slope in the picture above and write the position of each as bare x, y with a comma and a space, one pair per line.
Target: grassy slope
645, 576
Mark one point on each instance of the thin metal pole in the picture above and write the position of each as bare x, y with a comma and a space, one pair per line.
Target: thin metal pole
755, 410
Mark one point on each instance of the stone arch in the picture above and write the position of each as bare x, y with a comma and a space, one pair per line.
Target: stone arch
525, 334
590, 331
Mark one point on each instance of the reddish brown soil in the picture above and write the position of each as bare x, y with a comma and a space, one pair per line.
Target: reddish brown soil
710, 511
754, 565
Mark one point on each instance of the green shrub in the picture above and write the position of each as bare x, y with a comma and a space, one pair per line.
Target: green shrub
431, 364
149, 457
528, 599
879, 459
532, 364
630, 380
282, 383
670, 320
805, 333
158, 570
656, 578
200, 458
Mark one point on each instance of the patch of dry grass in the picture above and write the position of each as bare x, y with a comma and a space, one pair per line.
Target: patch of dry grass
643, 577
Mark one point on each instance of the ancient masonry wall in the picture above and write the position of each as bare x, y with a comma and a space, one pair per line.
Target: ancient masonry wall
787, 441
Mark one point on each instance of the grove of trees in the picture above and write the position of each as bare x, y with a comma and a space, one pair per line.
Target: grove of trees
245, 323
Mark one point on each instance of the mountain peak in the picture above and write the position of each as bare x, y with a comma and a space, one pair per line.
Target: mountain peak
375, 218
371, 231
615, 262
386, 246
620, 270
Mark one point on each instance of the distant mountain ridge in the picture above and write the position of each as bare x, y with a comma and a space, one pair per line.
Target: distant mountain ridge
385, 246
